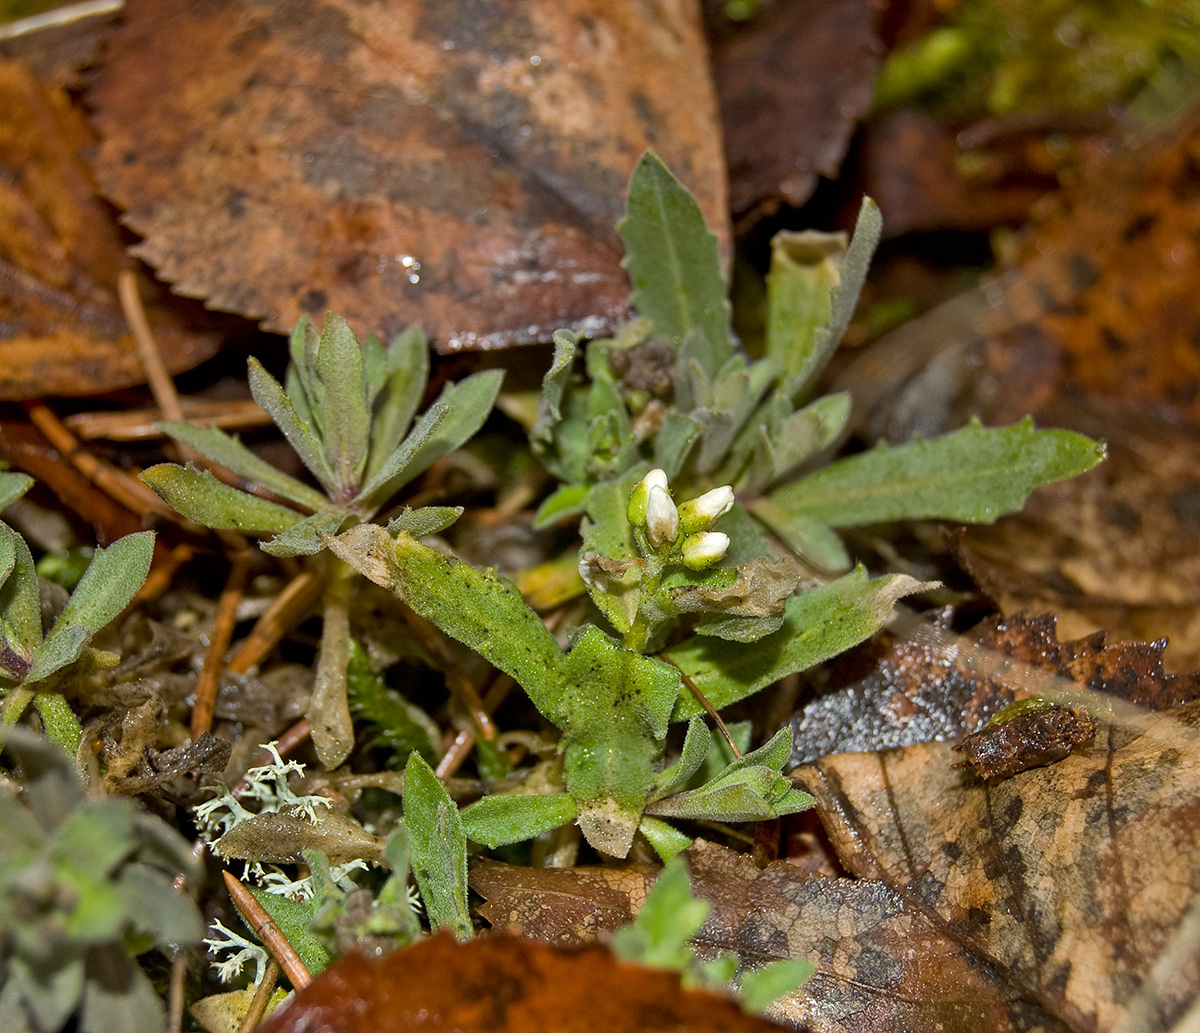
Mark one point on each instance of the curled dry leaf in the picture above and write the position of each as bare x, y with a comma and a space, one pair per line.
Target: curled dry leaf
936, 685
498, 984
449, 163
61, 326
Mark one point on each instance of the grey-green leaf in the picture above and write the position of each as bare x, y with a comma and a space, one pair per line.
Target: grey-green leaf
439, 848
199, 496
424, 521
20, 606
554, 384
342, 413
816, 625
671, 257
221, 448
974, 475
110, 582
267, 392
407, 376
305, 538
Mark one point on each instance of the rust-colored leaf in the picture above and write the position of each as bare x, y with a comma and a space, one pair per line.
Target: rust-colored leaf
497, 984
1075, 884
792, 84
61, 326
936, 685
451, 163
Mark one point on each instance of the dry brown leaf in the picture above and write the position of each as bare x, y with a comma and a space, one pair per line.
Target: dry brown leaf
1075, 884
497, 984
792, 84
449, 163
936, 685
61, 326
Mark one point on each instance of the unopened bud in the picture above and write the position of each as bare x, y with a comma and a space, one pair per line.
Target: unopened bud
636, 509
662, 518
704, 549
701, 513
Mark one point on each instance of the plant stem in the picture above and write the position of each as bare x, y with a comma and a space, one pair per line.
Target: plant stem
329, 710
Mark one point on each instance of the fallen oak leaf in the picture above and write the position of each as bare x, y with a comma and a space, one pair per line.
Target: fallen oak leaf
62, 330
1075, 883
456, 165
496, 984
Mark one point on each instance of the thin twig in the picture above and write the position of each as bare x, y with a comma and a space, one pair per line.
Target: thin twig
140, 424
162, 387
460, 749
175, 993
268, 933
290, 607
709, 709
261, 998
224, 621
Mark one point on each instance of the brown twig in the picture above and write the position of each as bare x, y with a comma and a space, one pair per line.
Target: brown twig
460, 749
709, 709
262, 996
268, 933
209, 681
290, 607
140, 424
175, 993
162, 387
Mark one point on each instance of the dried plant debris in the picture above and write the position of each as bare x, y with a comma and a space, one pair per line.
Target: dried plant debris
935, 685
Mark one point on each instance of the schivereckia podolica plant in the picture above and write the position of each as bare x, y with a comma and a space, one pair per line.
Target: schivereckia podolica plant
348, 412
33, 664
692, 600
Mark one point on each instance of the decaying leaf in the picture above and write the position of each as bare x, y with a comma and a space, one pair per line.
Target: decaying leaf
453, 164
792, 83
1027, 738
61, 326
1074, 884
283, 836
495, 984
935, 685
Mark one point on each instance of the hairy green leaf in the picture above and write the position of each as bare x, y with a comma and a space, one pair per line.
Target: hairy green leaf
478, 608
111, 580
304, 538
342, 412
407, 369
220, 447
424, 521
805, 267
671, 257
20, 606
667, 920
199, 496
267, 392
810, 538
294, 918
975, 475
439, 848
498, 820
817, 625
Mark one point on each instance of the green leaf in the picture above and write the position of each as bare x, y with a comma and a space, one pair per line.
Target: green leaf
61, 647
407, 363
12, 487
439, 848
460, 412
20, 605
478, 608
267, 392
671, 257
974, 475
759, 988
396, 723
342, 412
668, 919
805, 267
424, 521
844, 297
199, 496
293, 918
554, 384
567, 501
696, 744
498, 820
673, 443
154, 906
305, 537
812, 539
667, 840
221, 448
817, 625
110, 582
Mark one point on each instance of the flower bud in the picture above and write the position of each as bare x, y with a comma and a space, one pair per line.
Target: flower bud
636, 509
704, 549
662, 518
701, 513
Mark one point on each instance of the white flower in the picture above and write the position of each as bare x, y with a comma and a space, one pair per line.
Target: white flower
662, 518
636, 510
701, 513
704, 549
656, 478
